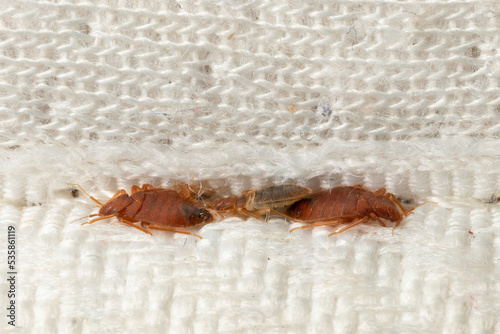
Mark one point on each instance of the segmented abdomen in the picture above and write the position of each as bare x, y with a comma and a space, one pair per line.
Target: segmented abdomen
340, 202
161, 207
279, 195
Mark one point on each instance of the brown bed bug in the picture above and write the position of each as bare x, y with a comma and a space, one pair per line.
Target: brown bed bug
154, 208
258, 202
347, 204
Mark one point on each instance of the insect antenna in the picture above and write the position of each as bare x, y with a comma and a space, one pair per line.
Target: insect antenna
92, 198
94, 215
409, 211
86, 193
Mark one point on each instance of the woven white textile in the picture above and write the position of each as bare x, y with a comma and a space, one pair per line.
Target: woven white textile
109, 94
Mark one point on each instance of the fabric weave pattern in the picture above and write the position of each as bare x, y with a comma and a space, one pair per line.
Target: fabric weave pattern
115, 93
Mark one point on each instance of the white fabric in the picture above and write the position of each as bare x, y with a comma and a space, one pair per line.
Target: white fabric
110, 94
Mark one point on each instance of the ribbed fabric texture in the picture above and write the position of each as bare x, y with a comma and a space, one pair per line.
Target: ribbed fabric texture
109, 94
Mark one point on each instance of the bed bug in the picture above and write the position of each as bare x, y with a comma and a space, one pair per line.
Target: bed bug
154, 208
348, 204
259, 202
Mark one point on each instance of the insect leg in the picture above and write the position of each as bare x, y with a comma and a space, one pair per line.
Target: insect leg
354, 223
97, 219
185, 190
396, 201
381, 191
136, 226
379, 220
144, 187
284, 215
257, 214
162, 228
336, 221
405, 212
118, 193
